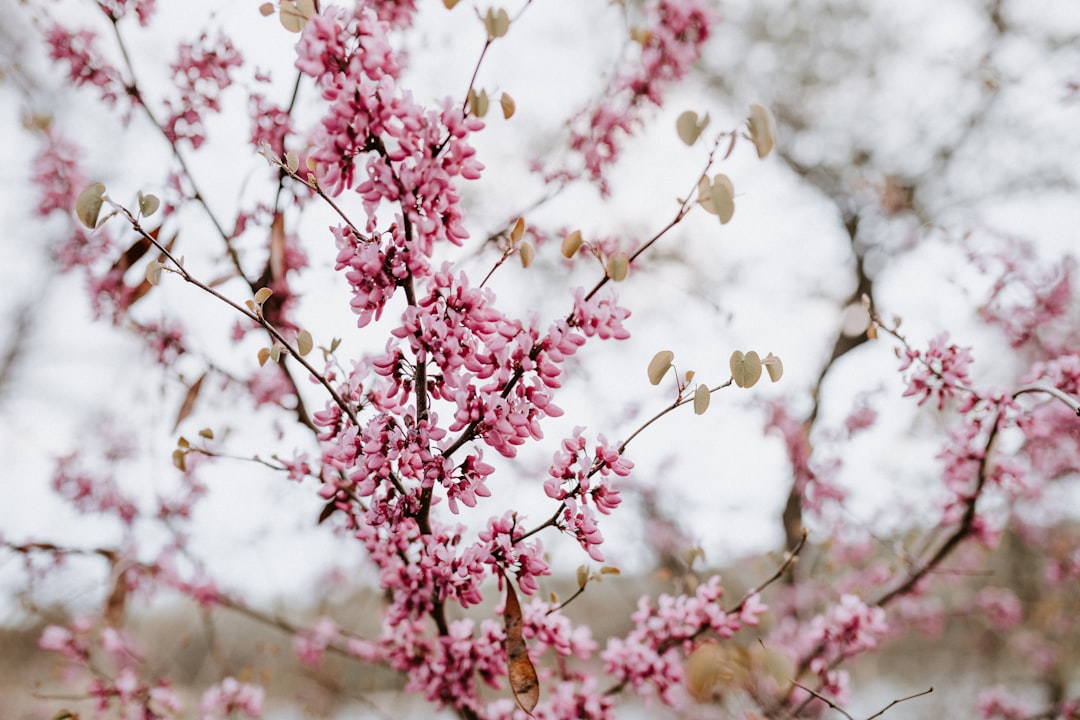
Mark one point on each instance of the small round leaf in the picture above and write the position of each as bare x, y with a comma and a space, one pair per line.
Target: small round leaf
722, 195
88, 205
292, 162
304, 343
618, 266
774, 367
745, 369
690, 127
571, 244
478, 103
496, 22
508, 106
148, 204
527, 253
153, 272
762, 129
517, 231
701, 399
659, 366
294, 14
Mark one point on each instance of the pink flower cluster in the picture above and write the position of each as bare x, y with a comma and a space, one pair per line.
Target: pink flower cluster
845, 630
86, 67
114, 685
118, 9
672, 39
225, 699
939, 372
92, 494
815, 479
573, 481
649, 658
200, 72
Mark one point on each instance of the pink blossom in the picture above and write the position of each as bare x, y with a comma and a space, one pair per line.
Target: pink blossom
201, 72
940, 372
1002, 608
230, 696
997, 704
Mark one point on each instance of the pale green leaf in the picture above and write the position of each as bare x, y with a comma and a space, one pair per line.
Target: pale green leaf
153, 272
148, 204
496, 22
618, 266
702, 396
745, 369
304, 343
689, 126
722, 194
88, 205
762, 129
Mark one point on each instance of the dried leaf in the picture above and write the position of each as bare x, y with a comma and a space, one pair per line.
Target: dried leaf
134, 252
263, 295
206, 433
518, 231
520, 670
277, 249
189, 401
294, 14
610, 570
116, 603
450, 4
582, 575
328, 509
264, 355
571, 244
292, 164
659, 366
527, 253
509, 107
179, 459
